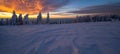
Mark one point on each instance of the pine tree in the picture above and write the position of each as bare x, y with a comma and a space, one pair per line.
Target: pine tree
48, 18
14, 18
39, 18
26, 19
20, 21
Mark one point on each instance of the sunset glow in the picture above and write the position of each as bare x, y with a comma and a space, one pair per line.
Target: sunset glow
31, 7
21, 6
76, 7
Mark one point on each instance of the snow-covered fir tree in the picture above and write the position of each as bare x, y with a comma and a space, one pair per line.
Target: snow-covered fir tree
20, 21
39, 18
14, 18
26, 19
48, 18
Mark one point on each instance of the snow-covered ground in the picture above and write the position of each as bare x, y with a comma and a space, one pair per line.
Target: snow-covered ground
80, 38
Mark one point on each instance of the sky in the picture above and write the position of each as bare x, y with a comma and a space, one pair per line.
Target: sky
59, 8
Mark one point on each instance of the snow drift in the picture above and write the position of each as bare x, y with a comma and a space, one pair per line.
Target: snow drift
80, 38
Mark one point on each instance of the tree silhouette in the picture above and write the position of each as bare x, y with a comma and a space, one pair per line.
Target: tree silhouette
48, 18
20, 21
26, 19
39, 18
14, 18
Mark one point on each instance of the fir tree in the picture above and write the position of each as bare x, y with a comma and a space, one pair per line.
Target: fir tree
48, 18
39, 18
26, 19
20, 21
14, 18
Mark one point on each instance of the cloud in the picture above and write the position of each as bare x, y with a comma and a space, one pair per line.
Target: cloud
53, 4
31, 6
100, 9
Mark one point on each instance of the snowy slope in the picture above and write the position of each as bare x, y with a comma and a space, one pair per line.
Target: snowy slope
80, 38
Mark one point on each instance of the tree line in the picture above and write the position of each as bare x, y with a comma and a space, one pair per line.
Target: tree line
19, 20
22, 21
98, 18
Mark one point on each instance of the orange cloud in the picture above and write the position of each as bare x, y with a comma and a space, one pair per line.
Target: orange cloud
21, 6
30, 6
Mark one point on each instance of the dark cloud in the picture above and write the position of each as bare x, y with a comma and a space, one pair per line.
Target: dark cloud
53, 4
102, 9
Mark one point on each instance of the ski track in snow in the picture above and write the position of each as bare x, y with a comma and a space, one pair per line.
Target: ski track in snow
80, 38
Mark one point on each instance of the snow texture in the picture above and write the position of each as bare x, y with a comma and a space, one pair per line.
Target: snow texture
80, 38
